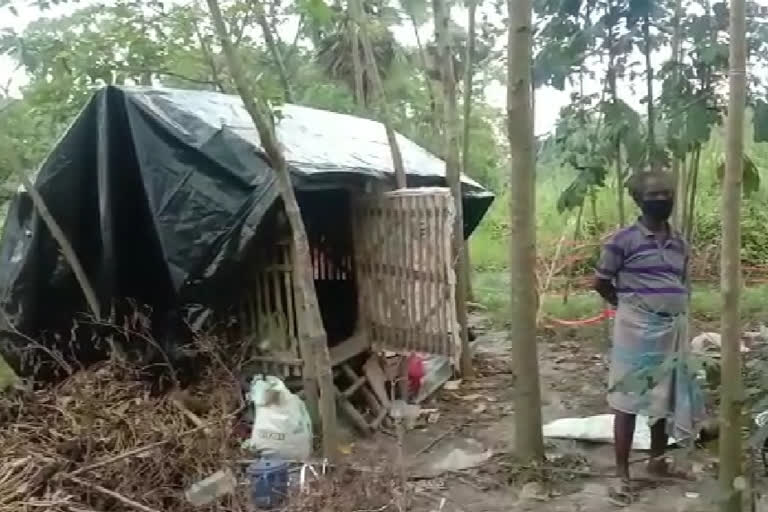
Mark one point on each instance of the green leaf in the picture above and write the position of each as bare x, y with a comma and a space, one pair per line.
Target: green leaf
750, 178
698, 124
320, 12
575, 194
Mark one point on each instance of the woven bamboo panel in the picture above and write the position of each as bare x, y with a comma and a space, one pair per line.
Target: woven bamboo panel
268, 310
405, 271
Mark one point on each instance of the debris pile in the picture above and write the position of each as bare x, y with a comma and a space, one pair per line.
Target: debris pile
101, 441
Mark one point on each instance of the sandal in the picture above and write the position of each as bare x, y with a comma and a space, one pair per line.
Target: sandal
620, 493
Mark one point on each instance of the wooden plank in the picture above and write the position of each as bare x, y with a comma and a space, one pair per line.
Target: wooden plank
381, 286
422, 285
453, 327
409, 263
357, 384
278, 300
349, 348
437, 233
354, 415
402, 258
393, 255
376, 408
288, 290
254, 306
376, 379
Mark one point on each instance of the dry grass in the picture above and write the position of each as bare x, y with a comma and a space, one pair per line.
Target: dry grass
105, 439
50, 435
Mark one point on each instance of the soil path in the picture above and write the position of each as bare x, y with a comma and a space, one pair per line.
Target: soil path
476, 423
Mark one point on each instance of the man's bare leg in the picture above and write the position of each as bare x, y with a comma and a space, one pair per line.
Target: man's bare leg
623, 432
658, 465
659, 439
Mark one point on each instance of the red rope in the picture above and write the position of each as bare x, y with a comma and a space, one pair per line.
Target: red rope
605, 314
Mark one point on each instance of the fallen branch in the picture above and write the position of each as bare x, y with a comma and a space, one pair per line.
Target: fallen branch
111, 494
194, 418
440, 437
146, 448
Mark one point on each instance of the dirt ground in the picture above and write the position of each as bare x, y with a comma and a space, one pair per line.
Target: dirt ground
474, 425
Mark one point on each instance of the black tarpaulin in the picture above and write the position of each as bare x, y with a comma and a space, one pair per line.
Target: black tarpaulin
161, 190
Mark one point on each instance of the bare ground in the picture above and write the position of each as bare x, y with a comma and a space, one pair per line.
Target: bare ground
479, 417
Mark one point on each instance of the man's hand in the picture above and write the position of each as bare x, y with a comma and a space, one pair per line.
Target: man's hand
607, 291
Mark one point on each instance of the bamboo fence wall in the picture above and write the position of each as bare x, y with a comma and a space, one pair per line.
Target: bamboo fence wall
405, 273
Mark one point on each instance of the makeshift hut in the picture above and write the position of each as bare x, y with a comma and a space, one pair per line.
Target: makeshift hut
168, 200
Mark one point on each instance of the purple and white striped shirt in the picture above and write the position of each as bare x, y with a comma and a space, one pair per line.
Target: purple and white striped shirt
646, 271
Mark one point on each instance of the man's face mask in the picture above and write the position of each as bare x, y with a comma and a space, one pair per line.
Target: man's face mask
657, 209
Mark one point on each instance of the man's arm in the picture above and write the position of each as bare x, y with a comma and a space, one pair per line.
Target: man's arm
606, 289
611, 260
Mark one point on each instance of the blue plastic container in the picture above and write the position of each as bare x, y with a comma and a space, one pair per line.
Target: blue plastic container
269, 482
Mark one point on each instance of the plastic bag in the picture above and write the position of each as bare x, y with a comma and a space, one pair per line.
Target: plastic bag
281, 423
598, 429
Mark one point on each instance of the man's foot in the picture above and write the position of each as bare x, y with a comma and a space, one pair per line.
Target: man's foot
620, 492
661, 468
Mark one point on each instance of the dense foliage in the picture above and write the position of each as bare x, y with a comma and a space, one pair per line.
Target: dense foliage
603, 53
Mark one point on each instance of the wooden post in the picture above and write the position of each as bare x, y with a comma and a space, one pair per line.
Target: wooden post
731, 463
308, 309
453, 174
529, 442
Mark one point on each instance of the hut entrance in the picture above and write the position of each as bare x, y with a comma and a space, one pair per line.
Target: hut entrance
383, 273
268, 310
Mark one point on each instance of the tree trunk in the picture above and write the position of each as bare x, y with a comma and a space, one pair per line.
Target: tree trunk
274, 50
314, 344
569, 265
425, 68
620, 186
692, 183
612, 86
680, 193
468, 89
649, 87
453, 172
373, 71
730, 276
208, 55
357, 64
529, 443
677, 171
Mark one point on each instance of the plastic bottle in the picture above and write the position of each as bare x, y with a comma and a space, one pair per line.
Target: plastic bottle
207, 490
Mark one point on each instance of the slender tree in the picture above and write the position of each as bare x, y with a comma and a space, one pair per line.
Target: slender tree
647, 49
314, 344
522, 205
442, 16
730, 274
468, 87
357, 61
274, 50
678, 170
410, 11
372, 68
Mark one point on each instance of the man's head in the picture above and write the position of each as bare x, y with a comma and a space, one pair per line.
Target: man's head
653, 191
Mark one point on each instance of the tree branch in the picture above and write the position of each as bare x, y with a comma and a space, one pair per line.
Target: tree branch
66, 247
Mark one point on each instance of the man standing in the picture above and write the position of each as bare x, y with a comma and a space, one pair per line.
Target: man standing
643, 273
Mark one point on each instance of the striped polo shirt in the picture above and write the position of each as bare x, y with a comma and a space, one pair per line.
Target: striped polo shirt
647, 272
